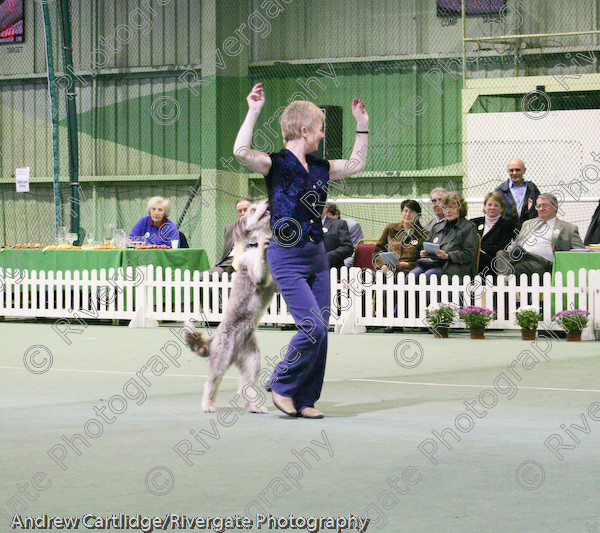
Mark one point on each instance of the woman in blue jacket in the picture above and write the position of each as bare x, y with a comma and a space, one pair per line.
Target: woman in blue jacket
156, 226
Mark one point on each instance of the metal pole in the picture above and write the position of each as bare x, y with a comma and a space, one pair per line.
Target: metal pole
532, 35
463, 6
54, 108
71, 117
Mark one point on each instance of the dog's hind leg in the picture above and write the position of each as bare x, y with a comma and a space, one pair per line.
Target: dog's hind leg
248, 363
216, 369
210, 393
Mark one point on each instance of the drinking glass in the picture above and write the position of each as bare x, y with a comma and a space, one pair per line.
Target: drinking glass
61, 235
120, 238
109, 233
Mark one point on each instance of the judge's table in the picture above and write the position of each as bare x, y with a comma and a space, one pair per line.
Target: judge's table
78, 259
566, 261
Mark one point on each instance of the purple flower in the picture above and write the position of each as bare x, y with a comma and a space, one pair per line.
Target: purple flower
571, 312
476, 317
572, 319
476, 310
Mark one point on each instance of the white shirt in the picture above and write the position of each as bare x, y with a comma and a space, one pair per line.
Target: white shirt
518, 193
539, 241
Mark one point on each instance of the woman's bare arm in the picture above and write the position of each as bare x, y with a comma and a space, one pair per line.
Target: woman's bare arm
255, 160
342, 168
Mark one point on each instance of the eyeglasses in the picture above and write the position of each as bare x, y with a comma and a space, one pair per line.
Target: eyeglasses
544, 206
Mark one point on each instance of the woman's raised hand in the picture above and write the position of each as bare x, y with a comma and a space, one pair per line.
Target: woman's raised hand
256, 98
360, 114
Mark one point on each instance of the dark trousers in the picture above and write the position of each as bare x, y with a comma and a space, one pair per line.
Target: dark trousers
527, 264
302, 276
417, 271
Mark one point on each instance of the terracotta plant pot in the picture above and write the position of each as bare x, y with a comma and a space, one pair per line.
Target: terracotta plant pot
528, 334
574, 335
440, 332
477, 333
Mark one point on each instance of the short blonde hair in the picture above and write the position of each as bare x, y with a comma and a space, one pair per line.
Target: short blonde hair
495, 195
300, 114
455, 198
159, 200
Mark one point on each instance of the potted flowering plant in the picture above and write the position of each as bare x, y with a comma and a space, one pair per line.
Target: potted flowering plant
572, 321
439, 317
477, 319
528, 317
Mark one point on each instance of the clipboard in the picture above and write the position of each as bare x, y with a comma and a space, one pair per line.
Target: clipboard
431, 247
389, 258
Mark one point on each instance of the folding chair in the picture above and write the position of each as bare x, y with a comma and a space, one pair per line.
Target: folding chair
363, 255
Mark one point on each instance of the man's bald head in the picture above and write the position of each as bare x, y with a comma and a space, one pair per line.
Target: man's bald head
516, 171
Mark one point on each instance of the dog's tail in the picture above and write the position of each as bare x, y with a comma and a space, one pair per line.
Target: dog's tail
195, 340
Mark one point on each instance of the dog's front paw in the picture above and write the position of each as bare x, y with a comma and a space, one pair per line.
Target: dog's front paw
209, 407
264, 240
257, 409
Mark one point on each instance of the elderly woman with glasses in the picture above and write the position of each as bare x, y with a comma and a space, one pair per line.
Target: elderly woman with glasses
457, 239
156, 226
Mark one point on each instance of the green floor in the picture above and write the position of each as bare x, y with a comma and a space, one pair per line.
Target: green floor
384, 397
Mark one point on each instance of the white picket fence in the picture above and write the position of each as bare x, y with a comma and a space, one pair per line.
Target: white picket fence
359, 299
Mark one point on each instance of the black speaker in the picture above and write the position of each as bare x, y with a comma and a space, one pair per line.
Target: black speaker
331, 145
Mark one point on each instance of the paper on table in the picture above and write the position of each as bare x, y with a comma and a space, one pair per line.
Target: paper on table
22, 179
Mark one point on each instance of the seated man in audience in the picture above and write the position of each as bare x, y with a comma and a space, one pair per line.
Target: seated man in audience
539, 238
520, 195
436, 196
336, 237
225, 264
356, 232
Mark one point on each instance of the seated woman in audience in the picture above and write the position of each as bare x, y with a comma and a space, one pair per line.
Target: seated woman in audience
495, 230
156, 227
404, 238
457, 238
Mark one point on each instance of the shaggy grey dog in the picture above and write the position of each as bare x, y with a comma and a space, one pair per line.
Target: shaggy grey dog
235, 341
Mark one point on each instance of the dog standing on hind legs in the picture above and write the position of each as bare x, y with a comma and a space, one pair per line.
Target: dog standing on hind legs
235, 341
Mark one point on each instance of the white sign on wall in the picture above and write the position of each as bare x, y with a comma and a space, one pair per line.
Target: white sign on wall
22, 179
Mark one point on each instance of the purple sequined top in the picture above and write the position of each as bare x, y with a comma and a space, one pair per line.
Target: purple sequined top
296, 197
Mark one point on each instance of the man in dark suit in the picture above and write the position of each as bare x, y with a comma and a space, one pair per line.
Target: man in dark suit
336, 237
538, 240
593, 233
520, 195
354, 227
225, 264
